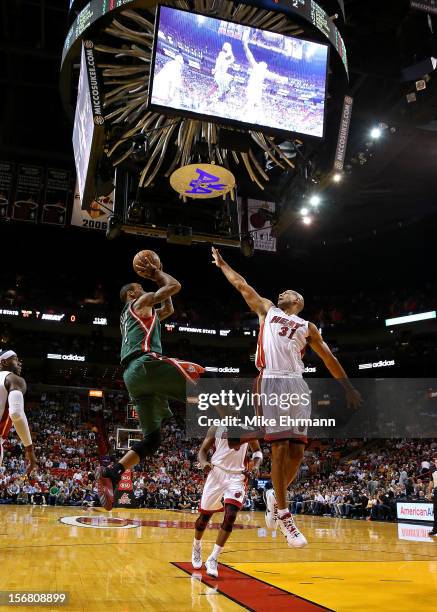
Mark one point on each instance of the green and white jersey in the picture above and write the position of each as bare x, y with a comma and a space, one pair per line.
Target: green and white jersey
139, 335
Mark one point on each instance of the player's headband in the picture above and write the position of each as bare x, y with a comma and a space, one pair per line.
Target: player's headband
7, 354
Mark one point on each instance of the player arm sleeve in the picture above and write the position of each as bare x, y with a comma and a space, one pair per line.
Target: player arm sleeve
18, 417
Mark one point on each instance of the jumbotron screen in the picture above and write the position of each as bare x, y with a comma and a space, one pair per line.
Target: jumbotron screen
236, 74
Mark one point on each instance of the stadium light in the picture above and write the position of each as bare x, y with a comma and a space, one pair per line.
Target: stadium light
304, 212
337, 177
375, 133
423, 316
307, 220
315, 200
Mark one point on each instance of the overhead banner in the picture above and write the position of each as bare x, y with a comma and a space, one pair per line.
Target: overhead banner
427, 6
56, 194
28, 193
343, 134
97, 216
7, 171
263, 239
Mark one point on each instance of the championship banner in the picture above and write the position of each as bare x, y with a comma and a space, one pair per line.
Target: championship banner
54, 210
124, 495
260, 215
7, 171
28, 193
97, 216
343, 135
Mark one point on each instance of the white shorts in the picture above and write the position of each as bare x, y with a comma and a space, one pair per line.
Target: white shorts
288, 399
222, 485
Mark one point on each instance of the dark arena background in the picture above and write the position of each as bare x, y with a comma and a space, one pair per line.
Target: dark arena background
121, 133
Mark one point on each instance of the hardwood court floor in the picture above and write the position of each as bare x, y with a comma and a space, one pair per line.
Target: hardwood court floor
139, 560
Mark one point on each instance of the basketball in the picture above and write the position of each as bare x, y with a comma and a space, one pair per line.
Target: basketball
151, 256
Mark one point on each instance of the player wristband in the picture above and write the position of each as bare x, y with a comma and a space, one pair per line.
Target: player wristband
257, 455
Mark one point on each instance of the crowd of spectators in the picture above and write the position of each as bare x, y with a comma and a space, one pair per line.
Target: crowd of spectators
193, 309
345, 479
369, 485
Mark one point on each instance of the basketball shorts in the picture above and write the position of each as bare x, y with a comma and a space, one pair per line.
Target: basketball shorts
152, 380
223, 81
285, 402
221, 485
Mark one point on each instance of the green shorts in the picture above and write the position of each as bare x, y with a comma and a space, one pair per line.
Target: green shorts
151, 383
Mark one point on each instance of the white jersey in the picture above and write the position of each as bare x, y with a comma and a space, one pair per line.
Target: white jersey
222, 65
282, 341
4, 415
5, 419
226, 458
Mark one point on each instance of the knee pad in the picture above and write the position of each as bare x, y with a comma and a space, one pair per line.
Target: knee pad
202, 521
231, 512
148, 446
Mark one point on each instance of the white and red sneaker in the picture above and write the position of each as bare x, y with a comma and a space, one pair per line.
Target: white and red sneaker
105, 488
271, 514
288, 528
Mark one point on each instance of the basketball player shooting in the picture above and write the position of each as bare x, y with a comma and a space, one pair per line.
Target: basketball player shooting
227, 479
150, 378
222, 78
12, 391
282, 339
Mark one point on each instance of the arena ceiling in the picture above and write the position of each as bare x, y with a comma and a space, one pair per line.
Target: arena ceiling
397, 182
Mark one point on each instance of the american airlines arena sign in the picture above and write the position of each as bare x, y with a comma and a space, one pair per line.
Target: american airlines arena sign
413, 511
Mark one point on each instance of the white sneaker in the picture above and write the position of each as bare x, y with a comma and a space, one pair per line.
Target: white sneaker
196, 557
288, 528
211, 565
271, 514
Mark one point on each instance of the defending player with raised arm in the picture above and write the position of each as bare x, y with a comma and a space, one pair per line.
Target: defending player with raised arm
227, 475
255, 85
12, 391
150, 378
282, 339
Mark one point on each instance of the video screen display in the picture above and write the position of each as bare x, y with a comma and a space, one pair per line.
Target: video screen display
238, 74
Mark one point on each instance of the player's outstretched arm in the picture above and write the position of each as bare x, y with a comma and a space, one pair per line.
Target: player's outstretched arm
207, 444
16, 387
256, 303
249, 54
166, 309
320, 347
